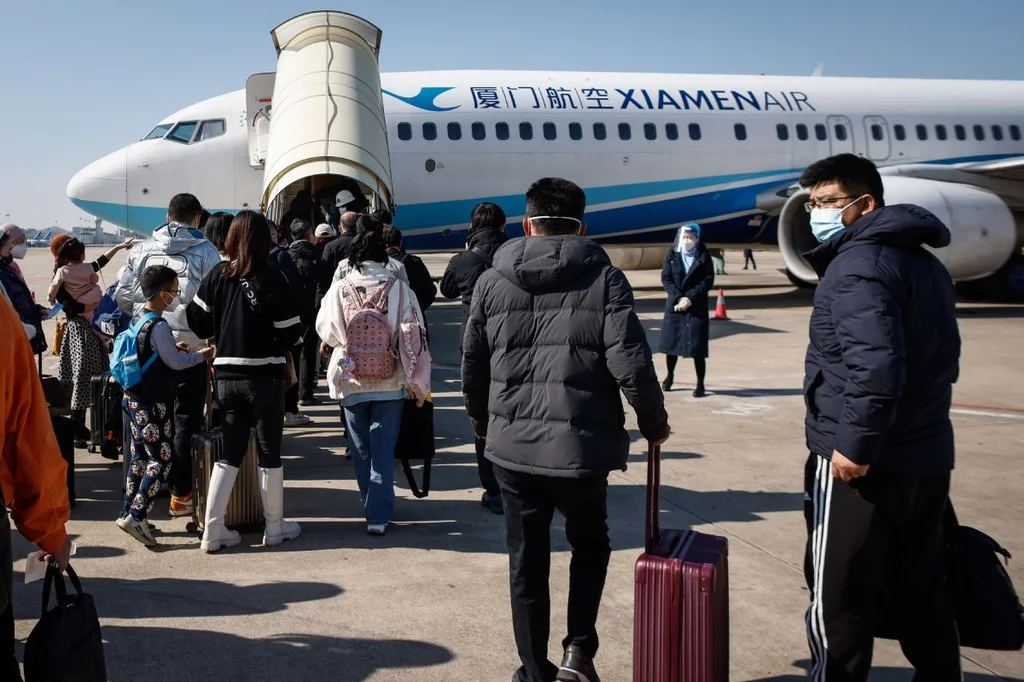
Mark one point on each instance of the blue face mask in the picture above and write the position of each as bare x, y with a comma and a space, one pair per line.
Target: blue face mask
828, 222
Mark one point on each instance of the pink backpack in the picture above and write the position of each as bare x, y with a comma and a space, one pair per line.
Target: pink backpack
368, 334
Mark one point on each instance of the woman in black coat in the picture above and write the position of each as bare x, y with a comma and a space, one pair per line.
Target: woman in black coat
687, 275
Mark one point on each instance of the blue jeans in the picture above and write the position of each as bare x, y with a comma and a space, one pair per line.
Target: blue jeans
372, 434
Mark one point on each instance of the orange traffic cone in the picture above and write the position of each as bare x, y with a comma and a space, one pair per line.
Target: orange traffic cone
720, 313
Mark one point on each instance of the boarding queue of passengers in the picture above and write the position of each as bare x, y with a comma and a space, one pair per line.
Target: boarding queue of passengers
264, 303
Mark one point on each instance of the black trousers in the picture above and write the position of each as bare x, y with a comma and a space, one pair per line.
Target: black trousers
486, 469
188, 421
883, 529
8, 661
530, 502
304, 356
254, 402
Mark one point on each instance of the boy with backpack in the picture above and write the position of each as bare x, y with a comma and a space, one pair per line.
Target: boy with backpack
145, 363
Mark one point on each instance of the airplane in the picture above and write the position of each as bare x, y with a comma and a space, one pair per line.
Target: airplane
652, 151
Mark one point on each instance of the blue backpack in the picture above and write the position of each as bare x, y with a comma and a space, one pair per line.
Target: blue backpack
108, 319
124, 362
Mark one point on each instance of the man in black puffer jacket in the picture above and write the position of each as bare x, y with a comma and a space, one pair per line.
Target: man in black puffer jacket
307, 262
883, 356
552, 338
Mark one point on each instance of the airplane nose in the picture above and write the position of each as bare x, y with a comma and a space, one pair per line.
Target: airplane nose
101, 188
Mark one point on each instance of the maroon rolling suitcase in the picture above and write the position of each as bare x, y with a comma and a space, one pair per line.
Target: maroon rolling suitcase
681, 617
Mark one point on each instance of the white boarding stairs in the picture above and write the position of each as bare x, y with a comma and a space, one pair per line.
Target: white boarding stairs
328, 109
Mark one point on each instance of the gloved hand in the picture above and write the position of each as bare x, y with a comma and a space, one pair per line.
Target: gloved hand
682, 305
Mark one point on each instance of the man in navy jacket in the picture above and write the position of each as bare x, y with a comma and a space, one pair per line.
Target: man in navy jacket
883, 356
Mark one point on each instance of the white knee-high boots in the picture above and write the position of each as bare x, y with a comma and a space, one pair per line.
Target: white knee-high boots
215, 535
272, 490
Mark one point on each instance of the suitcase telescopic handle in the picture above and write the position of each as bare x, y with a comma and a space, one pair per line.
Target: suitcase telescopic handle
210, 378
652, 531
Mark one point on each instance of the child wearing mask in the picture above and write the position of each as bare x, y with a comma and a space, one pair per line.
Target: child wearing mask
149, 403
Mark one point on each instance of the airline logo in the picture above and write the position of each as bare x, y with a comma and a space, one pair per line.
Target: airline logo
531, 97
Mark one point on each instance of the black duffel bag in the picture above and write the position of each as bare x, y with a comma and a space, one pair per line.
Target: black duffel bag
65, 645
988, 612
416, 442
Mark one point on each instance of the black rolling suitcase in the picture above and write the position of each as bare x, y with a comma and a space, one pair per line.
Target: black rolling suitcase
104, 411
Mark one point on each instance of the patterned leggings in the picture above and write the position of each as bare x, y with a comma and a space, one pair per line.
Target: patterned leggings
152, 438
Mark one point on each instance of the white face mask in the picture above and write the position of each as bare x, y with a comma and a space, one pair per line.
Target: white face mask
828, 222
20, 251
173, 305
689, 245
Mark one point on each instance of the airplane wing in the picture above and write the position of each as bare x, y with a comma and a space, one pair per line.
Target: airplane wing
1003, 169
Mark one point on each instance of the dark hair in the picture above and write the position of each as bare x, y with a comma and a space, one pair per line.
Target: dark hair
300, 228
557, 198
856, 174
486, 216
216, 229
368, 244
70, 250
184, 208
155, 279
204, 217
248, 244
392, 237
383, 215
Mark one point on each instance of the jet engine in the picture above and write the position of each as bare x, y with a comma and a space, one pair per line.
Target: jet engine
985, 233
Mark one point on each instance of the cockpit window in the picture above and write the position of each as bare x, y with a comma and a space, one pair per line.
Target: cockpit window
158, 132
183, 132
211, 129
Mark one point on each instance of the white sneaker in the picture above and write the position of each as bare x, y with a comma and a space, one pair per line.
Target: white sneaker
292, 419
140, 530
376, 528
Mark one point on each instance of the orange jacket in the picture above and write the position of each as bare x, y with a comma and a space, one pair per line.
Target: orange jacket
33, 475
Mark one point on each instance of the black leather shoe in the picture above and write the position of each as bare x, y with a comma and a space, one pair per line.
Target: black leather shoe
577, 667
666, 385
699, 393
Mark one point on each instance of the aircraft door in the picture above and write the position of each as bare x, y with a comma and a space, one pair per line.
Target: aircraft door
840, 135
876, 132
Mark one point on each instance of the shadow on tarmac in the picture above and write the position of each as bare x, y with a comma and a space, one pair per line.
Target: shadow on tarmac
882, 674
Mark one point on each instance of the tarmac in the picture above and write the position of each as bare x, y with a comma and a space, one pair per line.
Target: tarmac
429, 601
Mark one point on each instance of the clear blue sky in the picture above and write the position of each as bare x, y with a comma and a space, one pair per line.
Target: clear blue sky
80, 79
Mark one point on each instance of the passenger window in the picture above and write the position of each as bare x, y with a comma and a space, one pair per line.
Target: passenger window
550, 131
801, 132
820, 131
404, 132
479, 131
575, 131
997, 133
600, 133
650, 131
741, 131
841, 133
1015, 133
961, 132
526, 131
672, 131
922, 132
979, 133
501, 131
429, 131
695, 131
183, 132
899, 132
877, 134
159, 131
782, 130
625, 132
211, 129
940, 132
454, 131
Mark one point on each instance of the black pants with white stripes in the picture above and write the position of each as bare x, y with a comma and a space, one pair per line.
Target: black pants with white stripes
883, 529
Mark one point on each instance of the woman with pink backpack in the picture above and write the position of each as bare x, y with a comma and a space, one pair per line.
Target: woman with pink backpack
375, 326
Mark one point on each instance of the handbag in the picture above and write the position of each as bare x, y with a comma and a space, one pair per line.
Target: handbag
66, 644
291, 379
416, 442
58, 335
